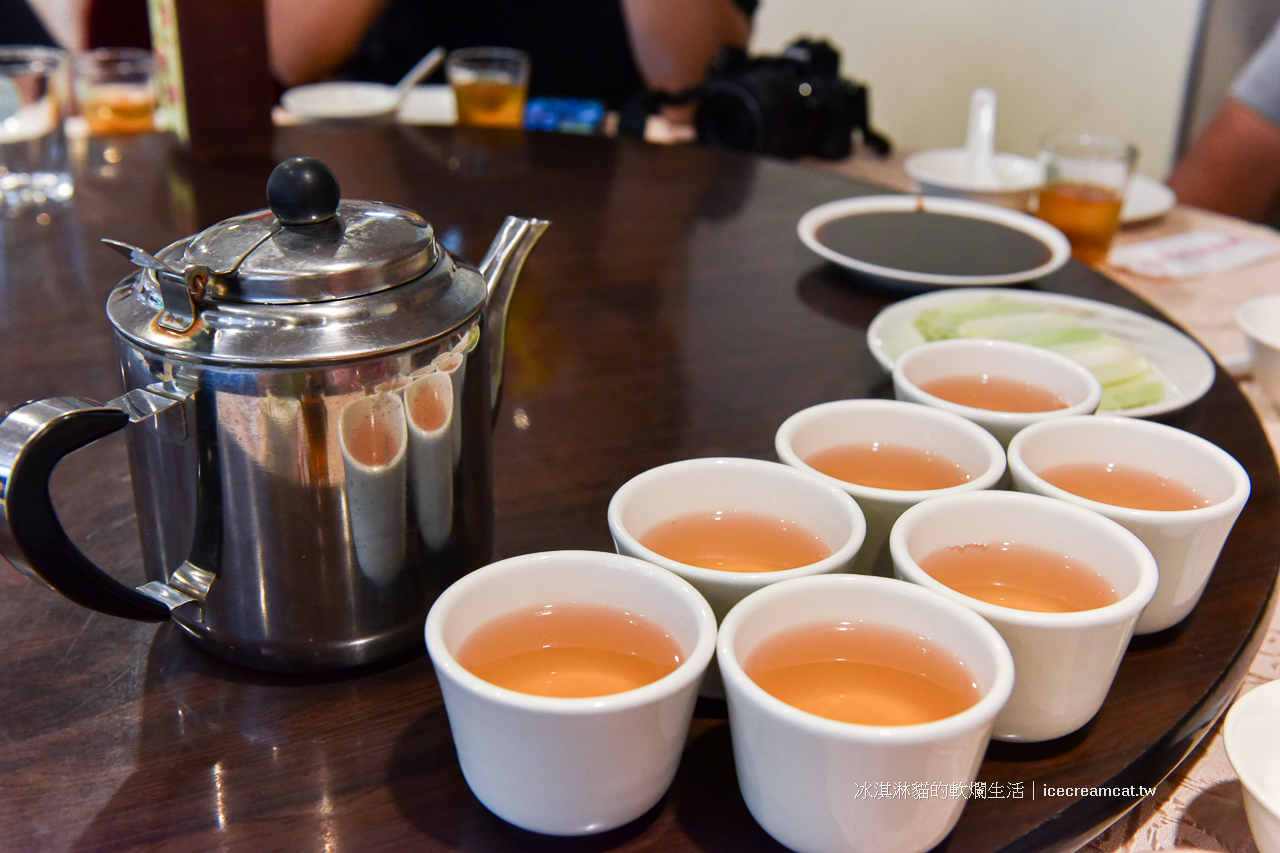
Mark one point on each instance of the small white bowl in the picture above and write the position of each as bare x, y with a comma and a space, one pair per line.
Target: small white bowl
944, 171
1252, 737
1259, 319
1070, 380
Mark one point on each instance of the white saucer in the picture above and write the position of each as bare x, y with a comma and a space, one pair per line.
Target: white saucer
1146, 199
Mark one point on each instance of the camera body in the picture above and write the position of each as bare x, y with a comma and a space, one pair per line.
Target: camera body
791, 105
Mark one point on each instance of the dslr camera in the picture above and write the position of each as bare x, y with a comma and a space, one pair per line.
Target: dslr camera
791, 105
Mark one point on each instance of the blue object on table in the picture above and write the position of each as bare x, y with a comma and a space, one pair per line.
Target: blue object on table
563, 115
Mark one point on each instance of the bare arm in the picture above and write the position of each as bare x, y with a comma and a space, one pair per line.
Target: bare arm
1234, 166
674, 41
309, 38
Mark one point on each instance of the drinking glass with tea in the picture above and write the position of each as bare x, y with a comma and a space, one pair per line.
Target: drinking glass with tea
116, 90
1085, 180
490, 85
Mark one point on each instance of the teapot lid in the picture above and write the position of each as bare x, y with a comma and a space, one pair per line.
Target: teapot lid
315, 277
311, 246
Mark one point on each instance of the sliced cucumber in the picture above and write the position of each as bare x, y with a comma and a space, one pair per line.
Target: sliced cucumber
1127, 377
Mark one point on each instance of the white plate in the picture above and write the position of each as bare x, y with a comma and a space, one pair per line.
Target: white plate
1146, 199
339, 100
1053, 239
1183, 366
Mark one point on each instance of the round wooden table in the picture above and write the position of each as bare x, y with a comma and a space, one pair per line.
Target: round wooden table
669, 312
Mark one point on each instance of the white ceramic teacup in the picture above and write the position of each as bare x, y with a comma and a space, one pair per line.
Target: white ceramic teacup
580, 765
1186, 543
1259, 319
1252, 737
890, 422
725, 484
1064, 662
805, 778
1077, 387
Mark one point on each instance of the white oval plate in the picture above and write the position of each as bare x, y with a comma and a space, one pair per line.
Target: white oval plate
1052, 238
1183, 366
339, 100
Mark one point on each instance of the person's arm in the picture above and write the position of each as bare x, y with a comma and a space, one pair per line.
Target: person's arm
674, 41
309, 38
66, 20
1234, 165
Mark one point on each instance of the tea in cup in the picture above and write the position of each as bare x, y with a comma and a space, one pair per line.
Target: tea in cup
490, 85
803, 753
116, 89
889, 455
1002, 386
1086, 176
582, 734
1063, 585
731, 526
1178, 492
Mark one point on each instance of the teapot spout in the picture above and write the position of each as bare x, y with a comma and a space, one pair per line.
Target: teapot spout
500, 268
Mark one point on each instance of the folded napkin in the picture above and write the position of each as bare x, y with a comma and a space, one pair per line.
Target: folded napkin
1192, 254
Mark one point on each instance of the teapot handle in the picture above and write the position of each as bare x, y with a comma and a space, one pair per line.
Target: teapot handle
33, 439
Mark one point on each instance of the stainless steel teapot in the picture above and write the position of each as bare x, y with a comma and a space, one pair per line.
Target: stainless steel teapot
309, 391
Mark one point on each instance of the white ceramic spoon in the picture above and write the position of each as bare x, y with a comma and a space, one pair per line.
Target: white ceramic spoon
418, 72
980, 141
352, 100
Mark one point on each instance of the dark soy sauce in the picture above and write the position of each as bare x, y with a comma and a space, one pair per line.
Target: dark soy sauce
921, 241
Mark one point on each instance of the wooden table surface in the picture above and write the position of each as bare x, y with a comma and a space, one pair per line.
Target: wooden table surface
669, 312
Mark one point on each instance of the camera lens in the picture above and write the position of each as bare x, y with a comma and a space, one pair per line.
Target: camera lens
730, 118
763, 110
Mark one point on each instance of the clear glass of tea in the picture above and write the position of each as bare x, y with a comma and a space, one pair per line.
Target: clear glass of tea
1086, 176
116, 90
490, 85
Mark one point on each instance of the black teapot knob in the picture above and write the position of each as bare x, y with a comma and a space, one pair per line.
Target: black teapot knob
302, 191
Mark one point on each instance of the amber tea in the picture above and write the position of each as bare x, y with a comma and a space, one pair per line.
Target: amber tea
1020, 576
994, 393
486, 103
371, 440
570, 650
885, 465
735, 541
862, 673
1087, 213
118, 108
1124, 485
